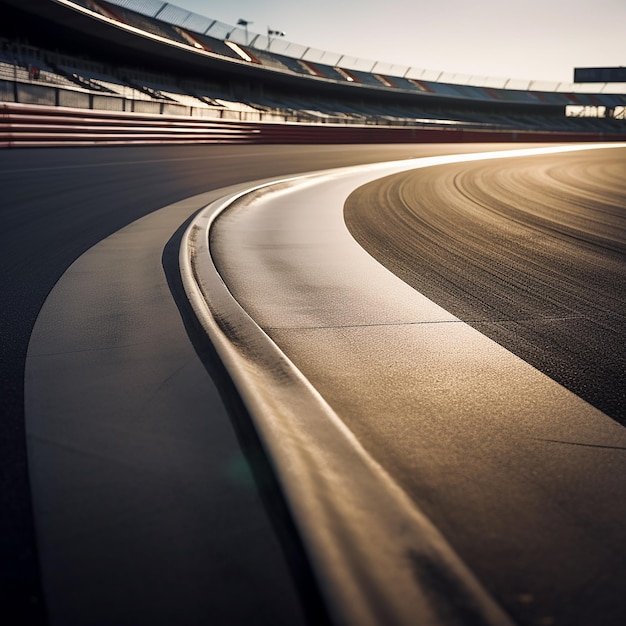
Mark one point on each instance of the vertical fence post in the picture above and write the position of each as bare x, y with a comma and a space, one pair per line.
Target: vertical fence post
15, 89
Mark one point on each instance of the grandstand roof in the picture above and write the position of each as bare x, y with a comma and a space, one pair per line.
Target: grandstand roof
173, 41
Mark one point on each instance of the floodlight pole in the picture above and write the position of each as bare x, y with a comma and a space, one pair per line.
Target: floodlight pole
276, 33
244, 23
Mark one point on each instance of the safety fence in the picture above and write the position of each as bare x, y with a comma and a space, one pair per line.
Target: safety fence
36, 125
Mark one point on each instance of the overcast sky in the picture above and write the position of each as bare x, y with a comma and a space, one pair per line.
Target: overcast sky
527, 39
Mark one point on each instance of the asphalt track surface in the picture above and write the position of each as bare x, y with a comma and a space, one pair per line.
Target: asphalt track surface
57, 204
529, 251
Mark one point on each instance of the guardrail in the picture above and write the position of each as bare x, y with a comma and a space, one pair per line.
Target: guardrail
24, 125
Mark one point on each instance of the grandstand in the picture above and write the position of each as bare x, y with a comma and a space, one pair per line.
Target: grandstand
151, 57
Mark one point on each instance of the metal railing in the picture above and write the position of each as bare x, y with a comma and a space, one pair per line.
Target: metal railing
24, 125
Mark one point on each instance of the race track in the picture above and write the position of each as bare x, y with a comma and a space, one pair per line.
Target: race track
522, 480
529, 251
56, 204
523, 477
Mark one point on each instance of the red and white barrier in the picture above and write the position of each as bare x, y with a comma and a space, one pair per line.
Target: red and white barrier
23, 125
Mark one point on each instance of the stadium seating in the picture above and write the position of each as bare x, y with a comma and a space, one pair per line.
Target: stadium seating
358, 96
141, 19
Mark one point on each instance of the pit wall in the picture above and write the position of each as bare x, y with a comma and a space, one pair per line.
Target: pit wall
23, 125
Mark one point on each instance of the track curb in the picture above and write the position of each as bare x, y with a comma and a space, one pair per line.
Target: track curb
376, 556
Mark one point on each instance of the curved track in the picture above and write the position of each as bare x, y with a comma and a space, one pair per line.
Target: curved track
59, 203
523, 477
530, 251
56, 204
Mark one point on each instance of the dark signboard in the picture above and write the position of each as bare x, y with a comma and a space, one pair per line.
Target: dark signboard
600, 75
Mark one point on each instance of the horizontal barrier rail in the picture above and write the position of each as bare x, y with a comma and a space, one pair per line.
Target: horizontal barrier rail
35, 125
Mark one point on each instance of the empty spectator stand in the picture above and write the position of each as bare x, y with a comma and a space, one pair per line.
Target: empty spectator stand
191, 47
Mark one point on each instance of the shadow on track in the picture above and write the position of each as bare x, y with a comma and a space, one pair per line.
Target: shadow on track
259, 461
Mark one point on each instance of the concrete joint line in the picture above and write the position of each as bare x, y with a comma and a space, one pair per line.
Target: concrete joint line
394, 324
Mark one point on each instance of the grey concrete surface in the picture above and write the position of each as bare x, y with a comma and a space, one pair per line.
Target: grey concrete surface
378, 560
145, 506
